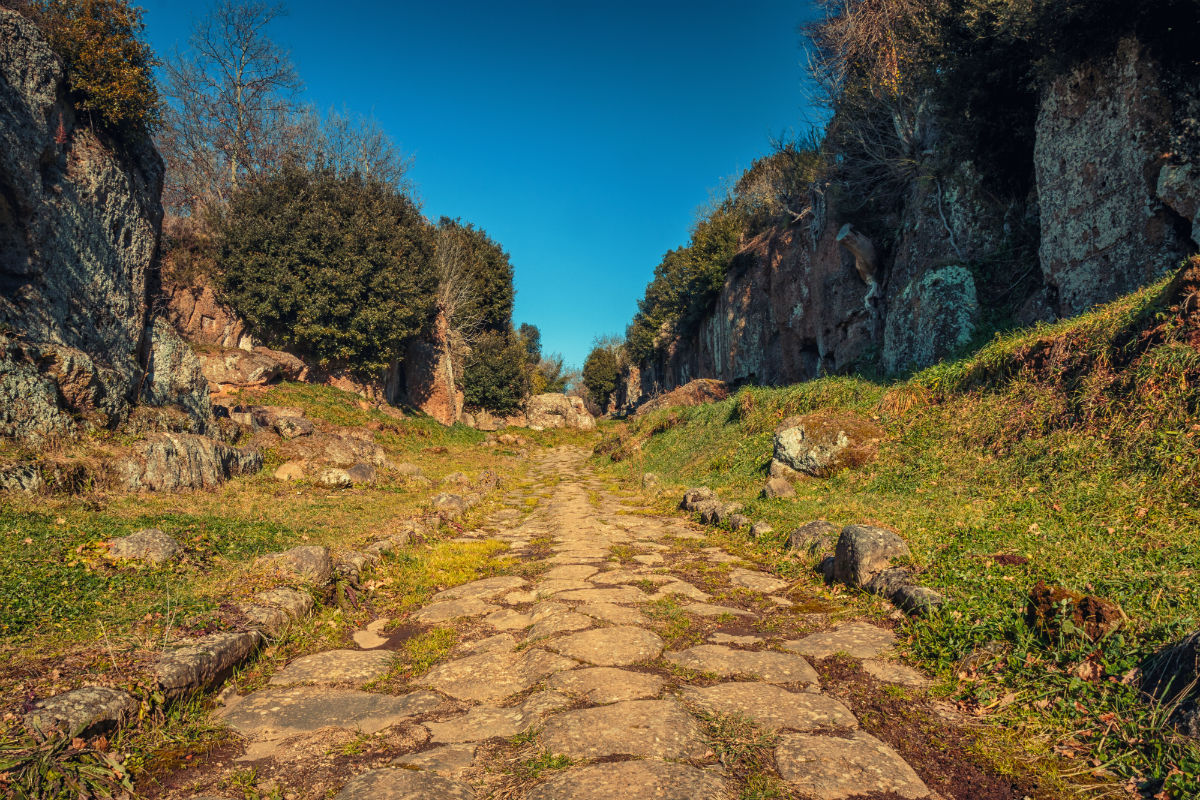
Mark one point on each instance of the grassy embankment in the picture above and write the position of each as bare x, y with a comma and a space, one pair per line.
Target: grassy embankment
69, 618
1076, 448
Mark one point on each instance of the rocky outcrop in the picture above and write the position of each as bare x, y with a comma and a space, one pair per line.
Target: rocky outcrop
548, 411
823, 443
202, 319
932, 317
230, 370
1101, 133
167, 462
80, 217
693, 393
428, 375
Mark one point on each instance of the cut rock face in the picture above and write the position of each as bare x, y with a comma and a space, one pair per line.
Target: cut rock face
632, 779
773, 708
833, 768
858, 640
767, 665
611, 647
643, 728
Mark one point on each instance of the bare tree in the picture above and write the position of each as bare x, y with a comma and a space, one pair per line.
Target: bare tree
456, 292
233, 103
348, 143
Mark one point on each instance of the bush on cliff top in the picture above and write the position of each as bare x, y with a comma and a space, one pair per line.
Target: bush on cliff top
337, 268
110, 70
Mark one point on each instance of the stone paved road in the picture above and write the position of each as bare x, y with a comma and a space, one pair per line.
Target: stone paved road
566, 687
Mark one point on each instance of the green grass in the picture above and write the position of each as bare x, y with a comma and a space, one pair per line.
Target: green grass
1076, 446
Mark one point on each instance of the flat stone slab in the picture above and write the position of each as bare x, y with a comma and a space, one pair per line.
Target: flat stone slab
680, 589
718, 555
645, 728
445, 610
511, 619
570, 572
336, 666
489, 677
891, 672
615, 594
603, 685
393, 783
563, 622
773, 708
481, 589
549, 588
287, 711
649, 559
856, 639
756, 581
368, 640
720, 637
618, 646
710, 610
450, 760
632, 779
767, 665
488, 722
833, 768
611, 612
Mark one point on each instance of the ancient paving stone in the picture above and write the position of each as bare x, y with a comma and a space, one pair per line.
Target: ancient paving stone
616, 594
481, 589
510, 619
832, 767
450, 760
570, 572
756, 581
650, 559
488, 722
680, 589
611, 647
610, 612
767, 665
500, 643
710, 610
562, 622
493, 676
336, 666
891, 672
370, 638
553, 587
607, 684
286, 711
453, 609
857, 639
720, 637
645, 728
772, 707
719, 556
393, 783
633, 779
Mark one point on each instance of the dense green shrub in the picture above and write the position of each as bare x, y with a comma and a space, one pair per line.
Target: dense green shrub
337, 268
600, 372
496, 376
110, 70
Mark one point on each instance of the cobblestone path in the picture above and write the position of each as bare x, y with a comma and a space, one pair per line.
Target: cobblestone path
565, 684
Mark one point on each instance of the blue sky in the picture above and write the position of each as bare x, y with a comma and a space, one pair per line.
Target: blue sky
581, 135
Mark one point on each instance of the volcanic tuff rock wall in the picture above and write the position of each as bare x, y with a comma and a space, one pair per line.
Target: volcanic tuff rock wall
79, 230
1111, 211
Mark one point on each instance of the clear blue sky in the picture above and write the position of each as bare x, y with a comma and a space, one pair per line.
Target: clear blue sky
581, 135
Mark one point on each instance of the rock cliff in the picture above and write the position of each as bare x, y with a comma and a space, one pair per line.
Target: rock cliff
80, 217
1109, 213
